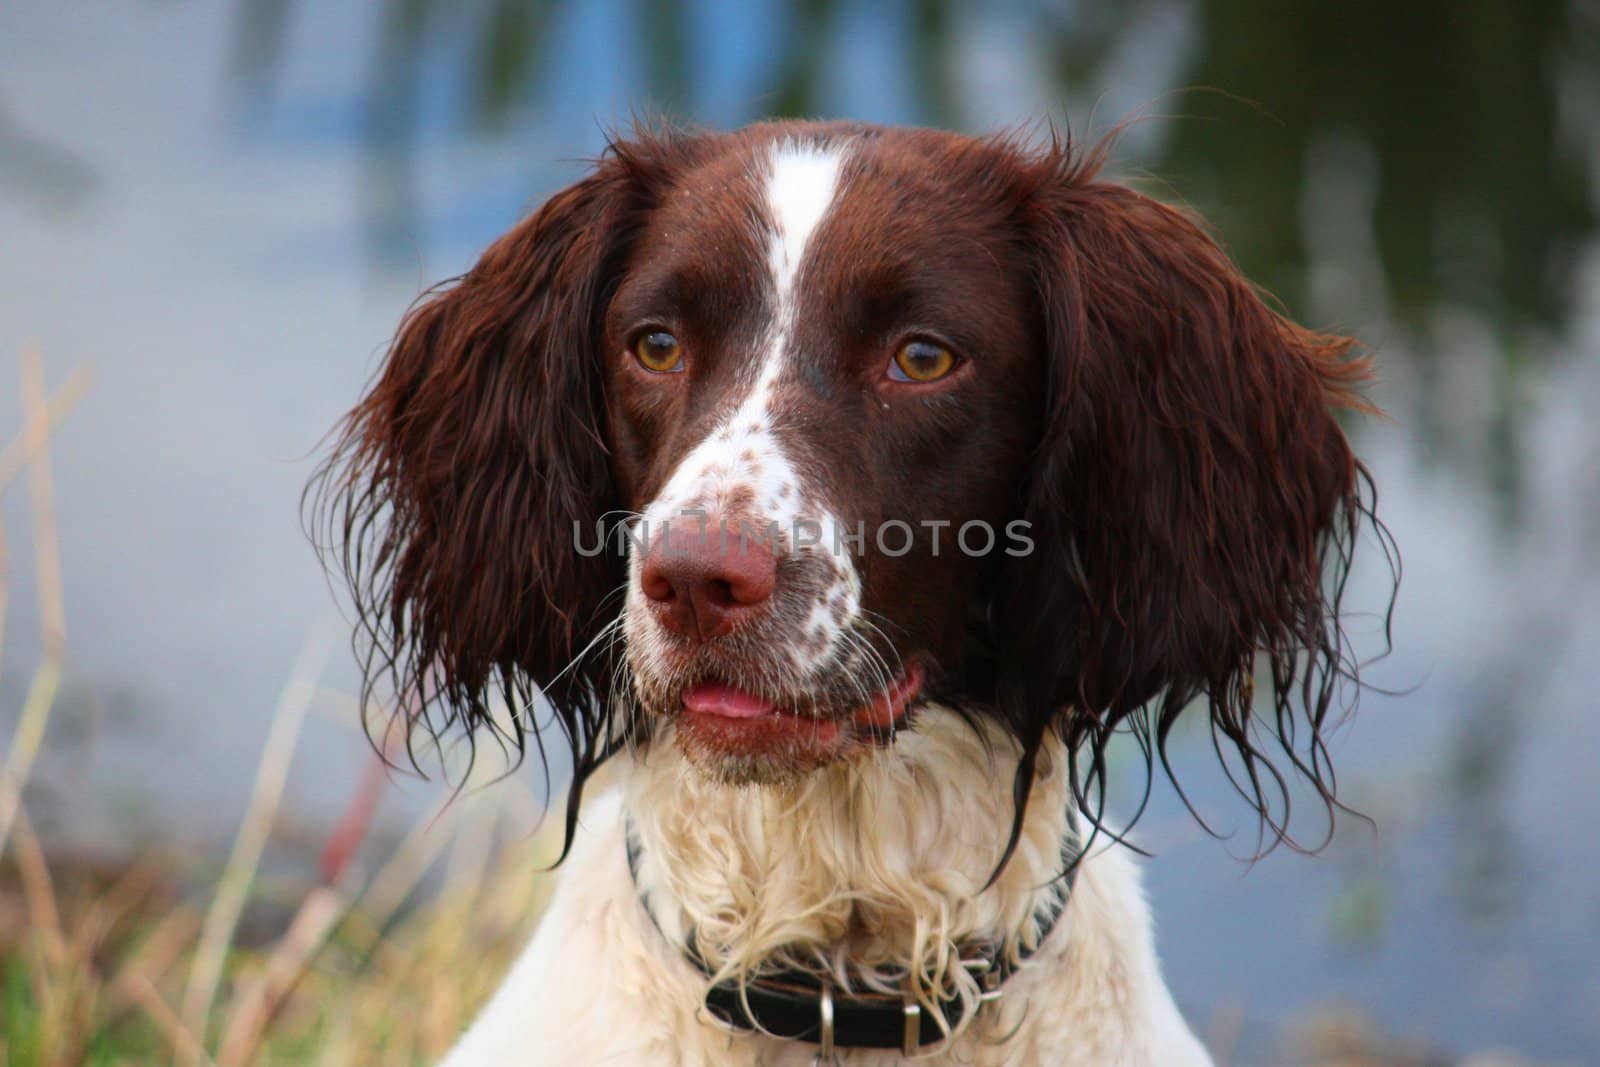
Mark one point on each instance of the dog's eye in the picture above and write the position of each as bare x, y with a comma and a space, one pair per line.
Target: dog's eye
921, 361
659, 351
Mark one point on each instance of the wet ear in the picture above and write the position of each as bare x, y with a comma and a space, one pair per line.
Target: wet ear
1194, 499
450, 499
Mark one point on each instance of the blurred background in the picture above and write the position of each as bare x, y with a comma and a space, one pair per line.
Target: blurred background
213, 213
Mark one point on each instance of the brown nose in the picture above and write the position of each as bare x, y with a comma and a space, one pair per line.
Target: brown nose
701, 584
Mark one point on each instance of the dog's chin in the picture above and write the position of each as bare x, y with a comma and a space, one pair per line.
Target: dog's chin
733, 762
738, 738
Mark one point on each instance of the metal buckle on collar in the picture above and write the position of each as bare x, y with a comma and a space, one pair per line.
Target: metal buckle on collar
911, 1036
826, 1056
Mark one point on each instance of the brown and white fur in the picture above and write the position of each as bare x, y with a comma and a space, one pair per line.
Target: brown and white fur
901, 847
836, 754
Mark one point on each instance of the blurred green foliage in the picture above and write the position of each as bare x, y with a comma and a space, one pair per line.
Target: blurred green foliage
1477, 199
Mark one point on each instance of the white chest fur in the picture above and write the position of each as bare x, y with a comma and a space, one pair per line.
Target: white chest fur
885, 858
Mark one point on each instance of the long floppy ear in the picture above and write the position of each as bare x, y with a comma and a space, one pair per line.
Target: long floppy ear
1194, 501
451, 497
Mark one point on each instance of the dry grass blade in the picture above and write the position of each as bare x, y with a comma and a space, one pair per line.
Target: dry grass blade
65, 988
259, 1000
37, 888
5, 576
144, 993
223, 917
42, 494
15, 456
157, 953
36, 707
466, 872
136, 884
399, 876
25, 742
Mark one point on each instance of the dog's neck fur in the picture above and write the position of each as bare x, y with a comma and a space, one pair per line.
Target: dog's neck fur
880, 864
869, 870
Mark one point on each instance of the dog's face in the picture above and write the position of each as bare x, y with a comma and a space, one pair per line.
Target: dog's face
883, 416
823, 382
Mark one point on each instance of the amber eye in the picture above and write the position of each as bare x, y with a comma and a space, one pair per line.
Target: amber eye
921, 361
659, 351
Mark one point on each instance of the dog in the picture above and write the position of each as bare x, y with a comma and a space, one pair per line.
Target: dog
848, 488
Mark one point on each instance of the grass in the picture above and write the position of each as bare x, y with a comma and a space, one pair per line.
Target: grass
93, 964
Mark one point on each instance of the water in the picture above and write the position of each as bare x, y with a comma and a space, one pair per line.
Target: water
216, 269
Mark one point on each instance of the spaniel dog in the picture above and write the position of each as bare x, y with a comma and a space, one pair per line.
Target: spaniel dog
848, 489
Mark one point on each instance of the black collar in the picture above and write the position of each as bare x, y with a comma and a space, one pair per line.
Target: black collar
802, 1007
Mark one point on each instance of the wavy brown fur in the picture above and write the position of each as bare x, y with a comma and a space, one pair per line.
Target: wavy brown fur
449, 497
1198, 503
1193, 499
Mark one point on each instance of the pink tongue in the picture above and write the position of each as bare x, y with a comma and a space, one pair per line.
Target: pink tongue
715, 698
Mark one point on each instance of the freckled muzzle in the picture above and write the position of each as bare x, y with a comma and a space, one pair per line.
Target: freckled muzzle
748, 643
745, 601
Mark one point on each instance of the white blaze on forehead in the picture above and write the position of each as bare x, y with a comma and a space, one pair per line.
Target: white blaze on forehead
743, 452
802, 185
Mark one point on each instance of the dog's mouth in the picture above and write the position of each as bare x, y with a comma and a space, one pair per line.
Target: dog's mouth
742, 736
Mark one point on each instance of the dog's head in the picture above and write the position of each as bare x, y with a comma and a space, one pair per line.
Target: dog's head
756, 441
